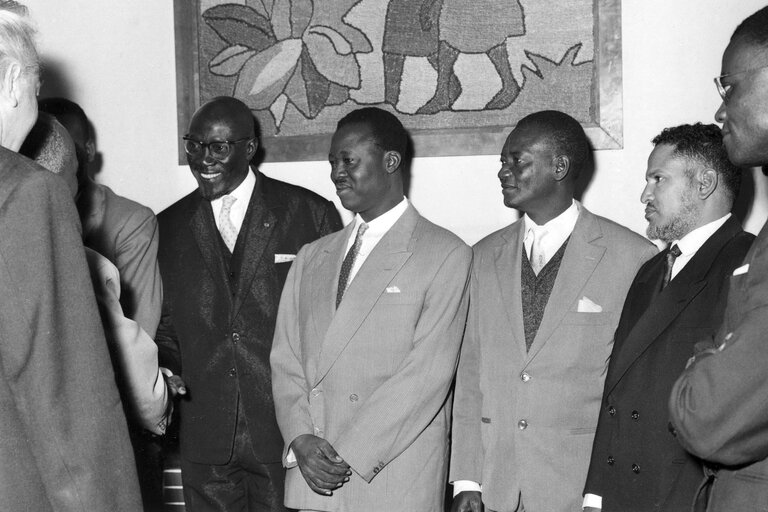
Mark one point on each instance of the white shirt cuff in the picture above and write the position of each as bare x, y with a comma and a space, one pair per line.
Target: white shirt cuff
592, 500
290, 458
465, 485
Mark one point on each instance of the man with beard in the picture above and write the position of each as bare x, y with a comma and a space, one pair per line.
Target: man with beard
225, 250
718, 405
545, 297
676, 300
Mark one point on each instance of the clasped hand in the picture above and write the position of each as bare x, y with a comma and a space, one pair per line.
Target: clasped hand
322, 468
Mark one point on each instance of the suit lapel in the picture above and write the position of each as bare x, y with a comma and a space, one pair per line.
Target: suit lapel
259, 224
508, 272
384, 262
667, 305
206, 235
582, 255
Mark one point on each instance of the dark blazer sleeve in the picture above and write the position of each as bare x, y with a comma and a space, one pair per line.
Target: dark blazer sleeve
718, 404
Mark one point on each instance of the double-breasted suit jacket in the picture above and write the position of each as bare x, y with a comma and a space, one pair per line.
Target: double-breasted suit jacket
373, 377
63, 437
524, 420
637, 464
219, 318
719, 405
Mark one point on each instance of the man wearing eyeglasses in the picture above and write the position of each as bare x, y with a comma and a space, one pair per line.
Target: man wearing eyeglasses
225, 250
719, 405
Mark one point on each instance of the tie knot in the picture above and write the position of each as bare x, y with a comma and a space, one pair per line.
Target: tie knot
675, 251
362, 229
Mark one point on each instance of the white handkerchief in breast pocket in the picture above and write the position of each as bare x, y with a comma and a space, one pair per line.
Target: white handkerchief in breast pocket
741, 270
284, 258
587, 306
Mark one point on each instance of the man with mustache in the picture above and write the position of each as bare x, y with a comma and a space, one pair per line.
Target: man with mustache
225, 250
545, 298
718, 405
676, 300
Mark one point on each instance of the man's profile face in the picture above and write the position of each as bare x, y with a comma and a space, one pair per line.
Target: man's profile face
358, 170
526, 172
671, 207
744, 112
218, 177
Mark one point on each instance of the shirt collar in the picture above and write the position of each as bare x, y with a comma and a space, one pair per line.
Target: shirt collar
242, 193
692, 242
384, 222
562, 224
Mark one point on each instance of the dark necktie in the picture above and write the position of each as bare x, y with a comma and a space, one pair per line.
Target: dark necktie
672, 255
349, 262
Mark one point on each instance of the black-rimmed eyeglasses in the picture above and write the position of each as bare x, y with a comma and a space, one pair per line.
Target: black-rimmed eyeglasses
219, 149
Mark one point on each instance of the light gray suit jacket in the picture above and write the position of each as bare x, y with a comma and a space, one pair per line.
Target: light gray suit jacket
524, 420
374, 376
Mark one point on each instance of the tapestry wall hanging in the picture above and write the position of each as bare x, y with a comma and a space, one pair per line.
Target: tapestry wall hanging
458, 73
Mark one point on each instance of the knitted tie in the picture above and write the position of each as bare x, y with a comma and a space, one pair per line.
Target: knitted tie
672, 255
349, 262
537, 258
226, 228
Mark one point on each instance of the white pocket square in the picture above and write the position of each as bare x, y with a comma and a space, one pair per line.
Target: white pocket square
284, 258
587, 306
741, 270
393, 289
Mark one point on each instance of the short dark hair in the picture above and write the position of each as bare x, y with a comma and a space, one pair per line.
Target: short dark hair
703, 143
61, 108
564, 135
387, 130
754, 29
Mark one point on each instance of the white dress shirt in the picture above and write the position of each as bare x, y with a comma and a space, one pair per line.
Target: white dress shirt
558, 230
242, 194
688, 245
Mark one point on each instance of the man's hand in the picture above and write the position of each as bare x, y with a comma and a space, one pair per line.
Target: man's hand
468, 501
175, 383
322, 468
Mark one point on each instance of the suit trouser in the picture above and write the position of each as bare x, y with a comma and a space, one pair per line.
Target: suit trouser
242, 484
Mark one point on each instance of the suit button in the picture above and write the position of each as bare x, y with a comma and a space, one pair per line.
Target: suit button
635, 468
315, 392
525, 376
522, 424
635, 415
318, 431
232, 372
611, 410
376, 470
235, 337
353, 397
611, 460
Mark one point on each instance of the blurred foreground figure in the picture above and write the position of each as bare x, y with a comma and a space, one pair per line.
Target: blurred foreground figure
63, 439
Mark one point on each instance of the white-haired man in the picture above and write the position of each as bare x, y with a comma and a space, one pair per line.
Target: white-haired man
63, 438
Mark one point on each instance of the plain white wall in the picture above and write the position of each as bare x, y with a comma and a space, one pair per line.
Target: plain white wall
117, 61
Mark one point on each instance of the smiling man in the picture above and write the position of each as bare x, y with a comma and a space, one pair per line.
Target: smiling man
676, 300
718, 405
225, 250
545, 298
367, 340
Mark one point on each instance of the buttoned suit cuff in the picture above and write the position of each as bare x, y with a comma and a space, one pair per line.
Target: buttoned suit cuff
592, 500
465, 486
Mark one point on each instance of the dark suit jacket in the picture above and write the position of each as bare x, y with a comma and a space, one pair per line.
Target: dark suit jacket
719, 405
637, 464
219, 318
63, 439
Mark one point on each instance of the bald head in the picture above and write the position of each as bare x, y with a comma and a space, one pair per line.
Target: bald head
220, 145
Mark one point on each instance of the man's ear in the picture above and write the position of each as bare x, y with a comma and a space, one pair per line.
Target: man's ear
10, 84
562, 166
251, 148
90, 150
707, 181
392, 161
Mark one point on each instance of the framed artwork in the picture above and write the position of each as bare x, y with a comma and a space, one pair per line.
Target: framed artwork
458, 73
